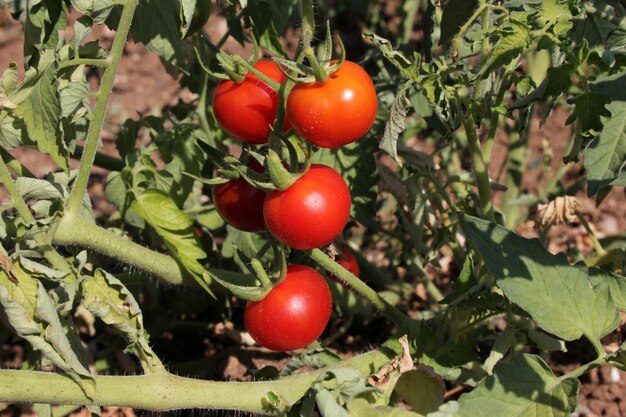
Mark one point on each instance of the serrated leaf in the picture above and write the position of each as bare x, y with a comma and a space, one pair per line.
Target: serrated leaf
37, 269
106, 297
396, 58
98, 10
543, 284
33, 315
523, 387
38, 189
606, 154
8, 84
455, 15
41, 111
44, 20
156, 25
174, 226
589, 108
395, 124
11, 130
514, 38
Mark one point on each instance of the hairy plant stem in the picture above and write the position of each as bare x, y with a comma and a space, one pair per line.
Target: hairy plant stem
308, 32
600, 251
480, 168
52, 256
359, 286
106, 87
163, 392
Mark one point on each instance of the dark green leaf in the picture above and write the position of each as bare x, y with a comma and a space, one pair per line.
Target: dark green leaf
589, 108
543, 284
514, 37
523, 387
455, 15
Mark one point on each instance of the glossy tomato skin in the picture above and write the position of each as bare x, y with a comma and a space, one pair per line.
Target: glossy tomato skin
312, 212
241, 204
336, 112
247, 110
293, 314
348, 261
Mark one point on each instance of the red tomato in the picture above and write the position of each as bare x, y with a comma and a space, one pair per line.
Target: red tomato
293, 314
241, 204
247, 110
336, 112
312, 212
348, 261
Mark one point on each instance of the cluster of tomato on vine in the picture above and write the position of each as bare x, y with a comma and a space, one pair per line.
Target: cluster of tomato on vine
308, 212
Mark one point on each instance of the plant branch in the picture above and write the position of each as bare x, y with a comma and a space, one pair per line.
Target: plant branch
359, 286
162, 392
480, 168
95, 128
93, 62
56, 260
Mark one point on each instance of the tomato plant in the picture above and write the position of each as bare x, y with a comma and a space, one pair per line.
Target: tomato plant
246, 110
293, 314
310, 213
201, 14
241, 204
336, 112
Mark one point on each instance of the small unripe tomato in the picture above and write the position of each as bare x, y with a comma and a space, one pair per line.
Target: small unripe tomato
241, 204
293, 314
247, 110
336, 112
312, 212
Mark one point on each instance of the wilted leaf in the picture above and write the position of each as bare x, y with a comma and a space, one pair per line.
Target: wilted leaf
395, 124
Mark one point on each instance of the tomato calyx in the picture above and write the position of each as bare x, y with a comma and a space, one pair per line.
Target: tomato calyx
321, 65
280, 176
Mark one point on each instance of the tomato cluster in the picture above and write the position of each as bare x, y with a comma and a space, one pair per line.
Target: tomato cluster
311, 212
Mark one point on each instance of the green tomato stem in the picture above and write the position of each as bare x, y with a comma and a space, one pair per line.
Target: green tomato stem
163, 392
106, 87
359, 286
480, 168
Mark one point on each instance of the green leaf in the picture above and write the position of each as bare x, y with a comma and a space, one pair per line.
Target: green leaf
106, 297
455, 15
505, 341
41, 111
11, 130
8, 84
361, 407
589, 108
606, 154
524, 387
33, 314
98, 10
38, 189
44, 21
514, 38
543, 284
396, 124
396, 58
174, 226
615, 285
156, 25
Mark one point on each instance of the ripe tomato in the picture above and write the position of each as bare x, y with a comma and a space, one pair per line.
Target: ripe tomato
348, 261
240, 204
247, 110
336, 112
293, 314
312, 212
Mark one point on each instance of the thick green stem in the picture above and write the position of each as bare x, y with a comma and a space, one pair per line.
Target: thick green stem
600, 251
106, 87
162, 392
73, 230
359, 286
308, 32
56, 260
480, 168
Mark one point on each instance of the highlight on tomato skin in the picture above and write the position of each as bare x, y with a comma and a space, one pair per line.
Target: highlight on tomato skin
312, 212
240, 204
293, 314
337, 112
246, 110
